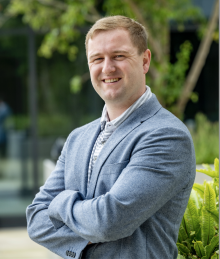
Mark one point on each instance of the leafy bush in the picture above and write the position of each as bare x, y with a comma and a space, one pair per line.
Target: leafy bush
206, 139
199, 230
54, 125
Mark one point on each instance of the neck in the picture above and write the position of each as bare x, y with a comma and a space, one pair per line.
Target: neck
116, 109
114, 112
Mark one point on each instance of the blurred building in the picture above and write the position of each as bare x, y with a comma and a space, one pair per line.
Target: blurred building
39, 116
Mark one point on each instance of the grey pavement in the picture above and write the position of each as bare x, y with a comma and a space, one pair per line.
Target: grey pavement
16, 244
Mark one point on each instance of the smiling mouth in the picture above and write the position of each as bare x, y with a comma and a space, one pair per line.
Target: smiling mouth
111, 80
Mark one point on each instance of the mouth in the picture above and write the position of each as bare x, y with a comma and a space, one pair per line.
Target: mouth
112, 80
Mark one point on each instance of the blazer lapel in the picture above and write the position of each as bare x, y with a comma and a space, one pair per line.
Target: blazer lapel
147, 110
84, 152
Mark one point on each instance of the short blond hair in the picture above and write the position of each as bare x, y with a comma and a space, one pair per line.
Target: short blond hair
136, 30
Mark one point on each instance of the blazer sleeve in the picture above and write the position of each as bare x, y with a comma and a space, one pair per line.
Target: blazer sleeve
160, 166
60, 240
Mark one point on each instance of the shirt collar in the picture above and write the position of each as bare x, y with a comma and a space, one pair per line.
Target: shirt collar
105, 118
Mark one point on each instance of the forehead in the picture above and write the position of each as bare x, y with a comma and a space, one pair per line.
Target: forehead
110, 41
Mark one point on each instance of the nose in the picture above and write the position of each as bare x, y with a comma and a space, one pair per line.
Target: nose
108, 66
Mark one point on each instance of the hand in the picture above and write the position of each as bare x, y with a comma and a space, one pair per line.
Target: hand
90, 243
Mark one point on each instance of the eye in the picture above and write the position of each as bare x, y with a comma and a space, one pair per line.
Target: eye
97, 60
119, 57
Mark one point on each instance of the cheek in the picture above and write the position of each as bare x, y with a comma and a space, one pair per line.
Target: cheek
128, 67
94, 77
94, 73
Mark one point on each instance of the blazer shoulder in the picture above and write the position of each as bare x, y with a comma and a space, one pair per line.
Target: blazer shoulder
80, 130
164, 118
164, 123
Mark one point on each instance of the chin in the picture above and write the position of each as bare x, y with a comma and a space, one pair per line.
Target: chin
111, 97
113, 94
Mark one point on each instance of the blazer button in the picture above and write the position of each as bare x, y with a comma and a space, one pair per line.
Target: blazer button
72, 254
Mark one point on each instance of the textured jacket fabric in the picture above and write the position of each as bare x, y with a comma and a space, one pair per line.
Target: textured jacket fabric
138, 191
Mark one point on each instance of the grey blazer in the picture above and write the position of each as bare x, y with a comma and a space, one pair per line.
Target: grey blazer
138, 192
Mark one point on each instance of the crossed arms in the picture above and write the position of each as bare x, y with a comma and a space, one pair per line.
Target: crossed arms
59, 219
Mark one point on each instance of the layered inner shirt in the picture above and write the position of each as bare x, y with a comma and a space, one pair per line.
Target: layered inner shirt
108, 127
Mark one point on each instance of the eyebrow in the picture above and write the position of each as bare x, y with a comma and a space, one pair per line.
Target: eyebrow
115, 52
94, 55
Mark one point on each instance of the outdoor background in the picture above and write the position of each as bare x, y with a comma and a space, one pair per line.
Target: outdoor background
45, 88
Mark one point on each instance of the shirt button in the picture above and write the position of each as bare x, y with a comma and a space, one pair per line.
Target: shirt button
103, 142
94, 158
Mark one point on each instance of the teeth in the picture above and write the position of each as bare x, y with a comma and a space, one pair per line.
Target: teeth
111, 80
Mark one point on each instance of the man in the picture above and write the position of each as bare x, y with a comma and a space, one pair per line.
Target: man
122, 182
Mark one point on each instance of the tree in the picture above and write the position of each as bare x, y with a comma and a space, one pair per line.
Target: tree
64, 21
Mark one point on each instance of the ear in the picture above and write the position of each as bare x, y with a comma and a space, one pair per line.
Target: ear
146, 61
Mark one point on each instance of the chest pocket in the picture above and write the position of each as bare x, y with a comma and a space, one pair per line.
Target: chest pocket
108, 176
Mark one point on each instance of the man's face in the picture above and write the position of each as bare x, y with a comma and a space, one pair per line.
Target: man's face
117, 70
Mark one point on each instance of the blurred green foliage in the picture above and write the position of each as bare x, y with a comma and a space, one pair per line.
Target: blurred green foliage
53, 125
75, 84
56, 125
205, 139
63, 22
175, 75
63, 25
